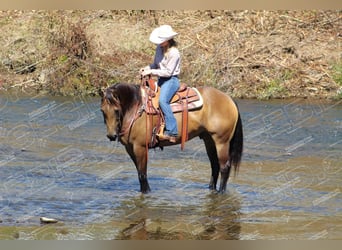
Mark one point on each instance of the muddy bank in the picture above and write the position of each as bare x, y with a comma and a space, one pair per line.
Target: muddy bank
248, 54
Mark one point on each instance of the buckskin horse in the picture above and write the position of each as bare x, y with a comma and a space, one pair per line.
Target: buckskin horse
217, 121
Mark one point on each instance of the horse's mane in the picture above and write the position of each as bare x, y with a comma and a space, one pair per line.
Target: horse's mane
123, 94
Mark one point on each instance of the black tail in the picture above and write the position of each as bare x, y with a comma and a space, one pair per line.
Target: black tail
236, 145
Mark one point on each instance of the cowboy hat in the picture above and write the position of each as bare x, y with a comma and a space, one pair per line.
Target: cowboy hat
161, 34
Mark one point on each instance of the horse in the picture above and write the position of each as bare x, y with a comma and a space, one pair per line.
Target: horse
218, 123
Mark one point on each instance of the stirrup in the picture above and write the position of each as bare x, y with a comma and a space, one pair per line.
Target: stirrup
169, 138
161, 130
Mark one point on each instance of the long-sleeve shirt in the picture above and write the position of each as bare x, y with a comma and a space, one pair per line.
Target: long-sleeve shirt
166, 65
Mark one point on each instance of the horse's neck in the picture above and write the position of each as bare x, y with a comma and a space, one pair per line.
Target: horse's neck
129, 101
131, 108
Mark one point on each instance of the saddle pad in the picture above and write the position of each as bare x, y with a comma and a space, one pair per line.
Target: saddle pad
194, 100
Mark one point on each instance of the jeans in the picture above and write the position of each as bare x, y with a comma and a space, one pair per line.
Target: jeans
168, 88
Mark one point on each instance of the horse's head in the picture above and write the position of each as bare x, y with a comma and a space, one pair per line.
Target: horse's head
116, 102
112, 111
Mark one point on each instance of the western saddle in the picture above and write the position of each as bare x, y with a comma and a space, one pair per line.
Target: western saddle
185, 99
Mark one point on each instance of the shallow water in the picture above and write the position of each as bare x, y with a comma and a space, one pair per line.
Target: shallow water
55, 161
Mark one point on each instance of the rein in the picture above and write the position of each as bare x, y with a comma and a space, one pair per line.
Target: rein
139, 109
122, 131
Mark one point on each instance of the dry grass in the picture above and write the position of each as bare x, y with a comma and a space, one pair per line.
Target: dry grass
249, 54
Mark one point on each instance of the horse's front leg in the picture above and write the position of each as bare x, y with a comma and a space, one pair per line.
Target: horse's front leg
139, 156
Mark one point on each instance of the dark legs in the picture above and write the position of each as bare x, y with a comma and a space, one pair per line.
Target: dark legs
212, 154
144, 187
222, 153
139, 156
217, 152
218, 156
224, 178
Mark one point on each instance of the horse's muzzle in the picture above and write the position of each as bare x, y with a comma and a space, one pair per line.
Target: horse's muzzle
112, 137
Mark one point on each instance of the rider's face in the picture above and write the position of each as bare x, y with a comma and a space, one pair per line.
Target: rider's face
164, 44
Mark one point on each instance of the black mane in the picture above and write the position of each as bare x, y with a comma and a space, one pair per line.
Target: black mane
124, 94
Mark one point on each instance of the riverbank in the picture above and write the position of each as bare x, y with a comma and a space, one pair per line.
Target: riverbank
248, 54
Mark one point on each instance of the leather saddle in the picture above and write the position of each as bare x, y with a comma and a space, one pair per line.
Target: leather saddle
185, 98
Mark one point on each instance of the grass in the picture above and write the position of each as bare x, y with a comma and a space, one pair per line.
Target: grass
275, 88
272, 89
337, 73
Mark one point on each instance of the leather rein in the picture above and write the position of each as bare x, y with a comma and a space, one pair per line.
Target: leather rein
120, 130
139, 109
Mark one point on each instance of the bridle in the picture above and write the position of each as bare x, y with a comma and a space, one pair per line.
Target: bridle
119, 116
122, 130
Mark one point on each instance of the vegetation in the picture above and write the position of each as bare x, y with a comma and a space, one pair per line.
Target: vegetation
337, 73
248, 54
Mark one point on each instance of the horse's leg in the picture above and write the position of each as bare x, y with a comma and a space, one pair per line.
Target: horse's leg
222, 153
139, 156
212, 154
225, 172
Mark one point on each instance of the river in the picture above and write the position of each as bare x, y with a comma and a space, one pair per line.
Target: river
56, 162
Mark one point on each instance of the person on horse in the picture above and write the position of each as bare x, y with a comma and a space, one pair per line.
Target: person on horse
166, 66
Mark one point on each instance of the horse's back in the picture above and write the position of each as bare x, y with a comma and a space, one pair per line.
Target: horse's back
216, 100
219, 111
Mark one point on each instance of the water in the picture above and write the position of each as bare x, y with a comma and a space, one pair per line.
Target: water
55, 161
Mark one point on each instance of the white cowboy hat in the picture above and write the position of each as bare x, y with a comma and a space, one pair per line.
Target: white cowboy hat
161, 34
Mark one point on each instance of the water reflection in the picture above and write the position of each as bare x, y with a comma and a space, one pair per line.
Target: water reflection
216, 218
222, 214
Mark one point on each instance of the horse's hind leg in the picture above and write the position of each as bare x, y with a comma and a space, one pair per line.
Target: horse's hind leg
212, 154
222, 153
225, 172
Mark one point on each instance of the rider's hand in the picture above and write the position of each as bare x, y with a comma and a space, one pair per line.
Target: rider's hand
146, 72
143, 69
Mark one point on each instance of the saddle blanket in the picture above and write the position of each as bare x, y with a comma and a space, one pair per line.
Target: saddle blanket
188, 95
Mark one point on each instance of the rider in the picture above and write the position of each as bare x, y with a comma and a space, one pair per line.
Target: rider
166, 66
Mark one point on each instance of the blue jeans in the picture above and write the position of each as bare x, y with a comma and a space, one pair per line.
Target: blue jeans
168, 88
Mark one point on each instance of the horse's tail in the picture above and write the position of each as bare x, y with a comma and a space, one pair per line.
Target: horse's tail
236, 145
